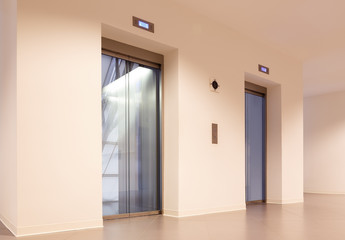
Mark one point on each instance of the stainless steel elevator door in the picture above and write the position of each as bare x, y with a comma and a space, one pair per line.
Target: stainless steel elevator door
131, 137
255, 137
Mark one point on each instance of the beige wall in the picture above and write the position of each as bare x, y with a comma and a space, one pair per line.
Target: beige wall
59, 118
8, 114
324, 143
171, 129
210, 178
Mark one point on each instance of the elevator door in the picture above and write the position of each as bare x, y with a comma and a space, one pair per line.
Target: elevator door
131, 137
255, 117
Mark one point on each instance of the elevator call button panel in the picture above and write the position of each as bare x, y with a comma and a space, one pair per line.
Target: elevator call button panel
214, 133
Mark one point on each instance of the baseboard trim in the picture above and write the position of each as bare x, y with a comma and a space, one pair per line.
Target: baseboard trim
62, 227
197, 212
289, 201
11, 227
321, 192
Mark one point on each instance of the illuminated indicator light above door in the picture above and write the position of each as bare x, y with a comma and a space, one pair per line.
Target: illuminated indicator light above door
143, 24
264, 69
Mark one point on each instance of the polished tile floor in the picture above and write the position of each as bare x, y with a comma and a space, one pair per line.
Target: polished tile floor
319, 217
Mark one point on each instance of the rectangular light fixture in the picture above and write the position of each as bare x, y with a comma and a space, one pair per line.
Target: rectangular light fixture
264, 69
143, 24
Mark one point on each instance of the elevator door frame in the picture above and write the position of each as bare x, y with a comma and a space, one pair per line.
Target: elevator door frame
262, 92
150, 59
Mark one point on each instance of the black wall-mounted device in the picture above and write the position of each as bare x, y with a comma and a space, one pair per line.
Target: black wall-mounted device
215, 84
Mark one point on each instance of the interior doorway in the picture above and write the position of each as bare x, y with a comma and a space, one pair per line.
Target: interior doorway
131, 136
255, 138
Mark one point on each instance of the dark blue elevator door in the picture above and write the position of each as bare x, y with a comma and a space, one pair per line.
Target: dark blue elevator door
255, 110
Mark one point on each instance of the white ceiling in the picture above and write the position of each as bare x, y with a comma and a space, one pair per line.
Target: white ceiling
311, 30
